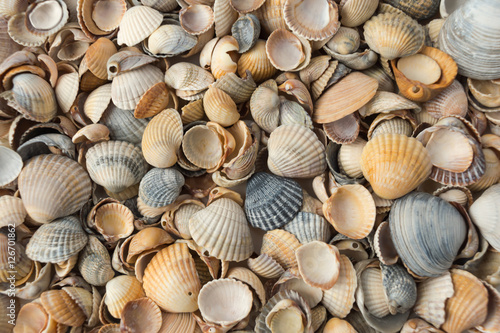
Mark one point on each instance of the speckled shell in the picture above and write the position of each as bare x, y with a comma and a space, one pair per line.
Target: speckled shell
53, 186
137, 24
280, 245
122, 124
57, 241
308, 227
265, 266
116, 165
485, 213
434, 256
160, 187
399, 287
222, 230
271, 201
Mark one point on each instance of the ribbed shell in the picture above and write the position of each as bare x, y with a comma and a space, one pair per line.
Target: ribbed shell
16, 269
121, 290
12, 211
485, 212
419, 10
53, 186
222, 230
162, 275
57, 241
220, 107
95, 263
271, 201
97, 102
62, 308
248, 277
339, 299
265, 266
356, 12
280, 245
187, 76
137, 24
11, 165
116, 165
308, 227
246, 31
122, 124
256, 61
225, 16
178, 322
426, 253
162, 139
399, 287
97, 55
160, 187
240, 90
318, 264
170, 40
270, 15
66, 90
295, 151
145, 309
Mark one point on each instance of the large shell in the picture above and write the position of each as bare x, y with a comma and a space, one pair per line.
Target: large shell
160, 187
222, 230
95, 263
61, 306
162, 139
308, 227
395, 164
137, 24
271, 16
312, 19
11, 165
434, 256
271, 201
121, 290
116, 165
307, 159
319, 264
280, 245
53, 186
485, 213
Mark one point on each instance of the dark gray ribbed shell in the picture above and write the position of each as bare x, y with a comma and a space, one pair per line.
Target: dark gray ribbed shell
123, 125
246, 31
427, 232
308, 227
160, 187
399, 287
272, 201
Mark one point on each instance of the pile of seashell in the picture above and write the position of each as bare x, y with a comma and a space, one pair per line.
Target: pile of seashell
284, 166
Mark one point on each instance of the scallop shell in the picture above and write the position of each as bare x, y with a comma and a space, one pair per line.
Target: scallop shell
121, 290
356, 12
484, 212
122, 124
162, 43
160, 187
451, 101
434, 256
280, 245
265, 266
390, 176
141, 315
172, 264
162, 139
220, 107
311, 19
222, 230
97, 102
137, 24
309, 227
394, 35
67, 190
307, 159
95, 263
246, 31
116, 165
114, 221
60, 305
319, 264
264, 106
196, 19
57, 241
11, 165
271, 201
256, 62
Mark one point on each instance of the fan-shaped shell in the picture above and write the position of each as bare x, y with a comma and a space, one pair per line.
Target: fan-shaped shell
53, 186
356, 12
187, 76
399, 287
46, 17
121, 290
11, 165
137, 24
122, 124
265, 266
160, 187
256, 62
114, 221
339, 299
264, 106
281, 245
196, 19
66, 90
97, 102
63, 308
203, 147
97, 55
179, 322
141, 315
12, 211
318, 264
95, 263
308, 227
485, 214
285, 51
270, 15
246, 31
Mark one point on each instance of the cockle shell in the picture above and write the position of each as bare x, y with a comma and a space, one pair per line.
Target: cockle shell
187, 76
95, 263
283, 42
286, 316
196, 19
12, 211
122, 124
97, 55
225, 16
291, 280
160, 43
345, 41
246, 31
176, 219
160, 187
246, 6
387, 102
271, 16
419, 10
336, 325
318, 264
240, 90
114, 221
220, 107
451, 101
202, 146
308, 227
66, 90
14, 269
141, 315
32, 317
63, 308
224, 57
116, 165
46, 18
97, 102
265, 266
256, 62
339, 299
281, 245
178, 322
264, 106
11, 165
53, 186
125, 60
121, 290
485, 214
355, 12
137, 24
399, 288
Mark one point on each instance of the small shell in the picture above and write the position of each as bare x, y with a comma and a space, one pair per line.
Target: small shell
491, 175
169, 40
356, 12
66, 90
12, 211
308, 227
126, 60
154, 100
32, 317
291, 280
271, 201
220, 107
487, 93
451, 101
116, 165
160, 187
114, 221
176, 219
121, 290
419, 67
282, 42
95, 263
385, 102
63, 308
11, 165
137, 24
318, 264
484, 212
178, 322
97, 57
202, 147
246, 31
336, 325
280, 245
53, 186
97, 102
46, 18
349, 158
187, 76
315, 69
225, 56
345, 41
264, 106
399, 287
196, 19
193, 111
339, 299
256, 62
271, 16
141, 315
286, 316
240, 90
122, 124
265, 266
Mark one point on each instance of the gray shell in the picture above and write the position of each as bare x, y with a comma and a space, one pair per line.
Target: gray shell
246, 31
332, 152
160, 187
427, 232
308, 227
95, 263
272, 201
399, 287
57, 241
123, 125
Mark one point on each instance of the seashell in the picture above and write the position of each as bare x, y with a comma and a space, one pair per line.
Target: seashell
178, 322
46, 18
383, 245
385, 82
399, 287
397, 179
282, 42
310, 19
219, 107
293, 113
297, 89
286, 316
318, 264
32, 317
107, 16
122, 124
196, 19
336, 325
11, 165
451, 101
17, 269
161, 5
202, 147
225, 16
66, 90
291, 280
97, 57
471, 19
187, 76
97, 102
356, 12
308, 157
264, 106
265, 266
375, 299
256, 62
12, 211
235, 299
225, 55
240, 90
95, 263
281, 246
419, 67
126, 60
356, 200
121, 290
308, 227
266, 206
69, 190
491, 175
20, 34
137, 24
176, 219
336, 102
115, 165
345, 41
126, 93
245, 6
422, 92
433, 257
160, 187
484, 213
172, 264
169, 40
145, 240
222, 230
417, 325
246, 31
63, 308
156, 99
394, 35
344, 130
162, 139
315, 69
45, 144
487, 93
349, 158
271, 16
114, 221
141, 315
246, 276
57, 241
193, 111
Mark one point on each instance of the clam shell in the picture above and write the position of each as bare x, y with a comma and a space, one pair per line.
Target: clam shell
11, 165
141, 315
356, 12
108, 15
319, 264
435, 256
271, 201
309, 227
12, 211
114, 221
202, 147
246, 276
240, 90
176, 219
178, 322
196, 19
31, 317
307, 159
62, 307
225, 16
97, 102
271, 16
336, 325
264, 106
160, 187
121, 290
344, 130
293, 113
187, 76
286, 316
491, 175
122, 124
487, 93
66, 90
145, 240
394, 35
172, 264
225, 55
390, 176
97, 56
95, 263
283, 42
484, 213
53, 186
155, 100
315, 69
265, 266
246, 31
280, 245
339, 299
193, 111
162, 139
222, 230
220, 107
385, 82
383, 245
256, 62
399, 287
14, 269
311, 19
137, 24
116, 165
57, 241
125, 60
163, 43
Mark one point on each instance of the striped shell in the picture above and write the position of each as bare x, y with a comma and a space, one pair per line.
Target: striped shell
160, 187
308, 227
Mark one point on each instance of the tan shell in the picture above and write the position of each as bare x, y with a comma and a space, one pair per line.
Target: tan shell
97, 102
240, 90
265, 266
178, 322
196, 19
246, 276
224, 58
256, 62
270, 15
318, 264
155, 100
385, 102
487, 93
349, 158
66, 90
19, 269
220, 107
225, 16
141, 315
114, 221
12, 211
91, 133
60, 305
280, 245
97, 57
192, 111
356, 12
246, 6
176, 217
187, 76
121, 290
32, 317
286, 51
202, 146
137, 24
